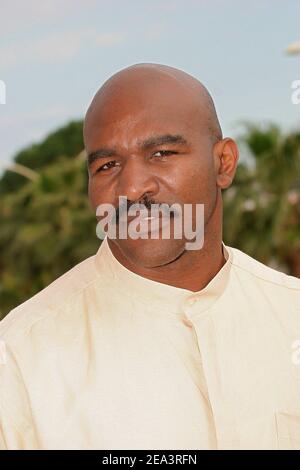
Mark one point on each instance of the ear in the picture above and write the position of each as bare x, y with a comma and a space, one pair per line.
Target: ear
226, 155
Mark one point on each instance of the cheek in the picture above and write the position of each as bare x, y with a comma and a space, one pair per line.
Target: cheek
193, 184
92, 194
96, 194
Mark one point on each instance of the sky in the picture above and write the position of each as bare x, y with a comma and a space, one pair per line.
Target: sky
54, 56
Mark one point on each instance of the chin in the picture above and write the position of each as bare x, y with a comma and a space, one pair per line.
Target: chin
151, 253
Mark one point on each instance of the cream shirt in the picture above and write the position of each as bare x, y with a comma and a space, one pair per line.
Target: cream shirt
106, 359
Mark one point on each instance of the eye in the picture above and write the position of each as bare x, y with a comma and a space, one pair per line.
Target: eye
106, 166
164, 153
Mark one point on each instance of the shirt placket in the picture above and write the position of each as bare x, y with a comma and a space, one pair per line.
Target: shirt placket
196, 313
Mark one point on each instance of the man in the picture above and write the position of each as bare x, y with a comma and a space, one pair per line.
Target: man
149, 345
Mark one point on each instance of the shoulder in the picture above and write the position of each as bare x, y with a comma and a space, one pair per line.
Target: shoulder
262, 274
50, 302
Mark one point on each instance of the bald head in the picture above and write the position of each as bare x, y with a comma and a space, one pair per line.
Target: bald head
142, 85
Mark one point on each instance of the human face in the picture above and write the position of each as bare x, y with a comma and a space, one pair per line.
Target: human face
161, 153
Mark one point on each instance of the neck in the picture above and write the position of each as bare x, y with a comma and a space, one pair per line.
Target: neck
194, 269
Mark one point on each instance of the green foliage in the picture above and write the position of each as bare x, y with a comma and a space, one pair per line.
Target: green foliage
67, 141
262, 207
47, 227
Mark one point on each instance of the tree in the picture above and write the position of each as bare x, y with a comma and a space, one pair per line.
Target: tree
262, 208
66, 141
47, 227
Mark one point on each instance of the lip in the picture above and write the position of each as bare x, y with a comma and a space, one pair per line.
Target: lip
163, 218
158, 227
150, 218
147, 217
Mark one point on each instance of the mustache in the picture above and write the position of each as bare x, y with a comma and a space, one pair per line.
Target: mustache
123, 208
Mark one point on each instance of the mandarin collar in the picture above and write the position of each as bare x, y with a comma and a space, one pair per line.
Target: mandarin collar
155, 294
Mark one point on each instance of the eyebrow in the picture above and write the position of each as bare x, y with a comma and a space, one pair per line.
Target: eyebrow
100, 153
146, 144
161, 140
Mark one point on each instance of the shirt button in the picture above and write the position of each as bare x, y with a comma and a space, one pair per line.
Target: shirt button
192, 300
187, 322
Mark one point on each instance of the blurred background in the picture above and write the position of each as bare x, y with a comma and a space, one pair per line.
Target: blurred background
54, 56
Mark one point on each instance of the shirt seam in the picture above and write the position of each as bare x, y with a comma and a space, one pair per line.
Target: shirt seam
265, 279
49, 309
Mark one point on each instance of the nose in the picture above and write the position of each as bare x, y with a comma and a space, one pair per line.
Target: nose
136, 180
